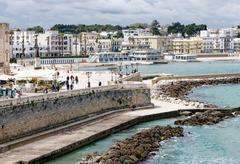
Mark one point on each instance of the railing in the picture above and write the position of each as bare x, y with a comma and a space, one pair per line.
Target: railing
52, 96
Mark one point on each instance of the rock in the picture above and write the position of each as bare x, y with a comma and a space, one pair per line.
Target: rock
139, 146
208, 117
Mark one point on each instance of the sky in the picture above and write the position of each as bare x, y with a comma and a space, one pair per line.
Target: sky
46, 13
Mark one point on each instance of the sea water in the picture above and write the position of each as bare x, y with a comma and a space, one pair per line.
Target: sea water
215, 144
221, 95
182, 68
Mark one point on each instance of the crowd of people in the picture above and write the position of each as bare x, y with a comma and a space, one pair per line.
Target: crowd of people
70, 81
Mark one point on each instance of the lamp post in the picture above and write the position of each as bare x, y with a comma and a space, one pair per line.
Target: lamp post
37, 54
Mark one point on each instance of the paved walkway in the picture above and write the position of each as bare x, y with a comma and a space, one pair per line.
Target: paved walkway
50, 144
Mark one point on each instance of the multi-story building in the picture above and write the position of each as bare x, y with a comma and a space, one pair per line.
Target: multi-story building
218, 40
88, 43
55, 44
51, 44
160, 43
130, 33
187, 46
236, 45
22, 44
116, 44
104, 45
4, 48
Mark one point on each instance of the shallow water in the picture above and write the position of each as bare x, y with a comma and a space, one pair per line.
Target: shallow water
220, 95
217, 144
204, 145
184, 68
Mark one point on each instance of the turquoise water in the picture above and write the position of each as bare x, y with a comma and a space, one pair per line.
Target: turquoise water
220, 95
104, 144
184, 68
218, 144
192, 68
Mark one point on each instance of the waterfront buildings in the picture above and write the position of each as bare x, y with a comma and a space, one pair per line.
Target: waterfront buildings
133, 55
220, 40
160, 43
4, 48
51, 44
187, 45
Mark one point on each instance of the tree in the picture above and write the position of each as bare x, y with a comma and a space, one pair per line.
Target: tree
154, 27
37, 29
119, 34
139, 25
190, 29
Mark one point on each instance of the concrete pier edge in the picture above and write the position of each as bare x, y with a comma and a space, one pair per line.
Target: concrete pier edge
101, 135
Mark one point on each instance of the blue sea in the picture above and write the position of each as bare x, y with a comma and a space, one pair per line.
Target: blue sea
216, 144
196, 68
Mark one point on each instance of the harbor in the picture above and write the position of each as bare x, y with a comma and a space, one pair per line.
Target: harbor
98, 82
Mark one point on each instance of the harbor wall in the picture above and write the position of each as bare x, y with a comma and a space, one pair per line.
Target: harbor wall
27, 117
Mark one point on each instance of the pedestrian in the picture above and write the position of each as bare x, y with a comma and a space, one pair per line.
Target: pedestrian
67, 84
6, 93
100, 84
76, 79
71, 86
1, 91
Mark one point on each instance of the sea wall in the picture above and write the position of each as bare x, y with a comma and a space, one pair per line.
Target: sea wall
31, 115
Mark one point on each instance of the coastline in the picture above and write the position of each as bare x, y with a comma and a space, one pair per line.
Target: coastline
176, 91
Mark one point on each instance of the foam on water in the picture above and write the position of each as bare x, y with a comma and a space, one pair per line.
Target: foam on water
220, 95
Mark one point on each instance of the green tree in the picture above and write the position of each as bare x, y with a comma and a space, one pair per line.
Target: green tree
119, 34
154, 27
37, 29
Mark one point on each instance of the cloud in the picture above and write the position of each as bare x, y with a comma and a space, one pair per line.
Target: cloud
24, 13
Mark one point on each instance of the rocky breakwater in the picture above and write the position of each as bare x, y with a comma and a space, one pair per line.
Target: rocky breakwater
177, 91
208, 117
137, 148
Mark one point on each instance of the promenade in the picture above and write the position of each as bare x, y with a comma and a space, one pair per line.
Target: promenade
72, 138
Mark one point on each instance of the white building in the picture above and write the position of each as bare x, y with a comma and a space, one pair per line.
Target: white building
130, 33
236, 44
51, 44
218, 40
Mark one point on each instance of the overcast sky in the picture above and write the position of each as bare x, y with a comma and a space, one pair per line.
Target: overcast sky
25, 13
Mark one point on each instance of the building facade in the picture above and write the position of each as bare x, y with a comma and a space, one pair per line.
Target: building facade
4, 48
187, 46
160, 43
51, 44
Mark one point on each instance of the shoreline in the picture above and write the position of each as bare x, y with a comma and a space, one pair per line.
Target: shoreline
69, 140
178, 90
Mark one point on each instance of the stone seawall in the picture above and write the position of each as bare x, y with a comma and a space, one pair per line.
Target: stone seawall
17, 121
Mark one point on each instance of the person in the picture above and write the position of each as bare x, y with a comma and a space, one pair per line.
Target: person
46, 90
1, 91
6, 93
53, 88
76, 79
71, 86
58, 87
100, 84
67, 84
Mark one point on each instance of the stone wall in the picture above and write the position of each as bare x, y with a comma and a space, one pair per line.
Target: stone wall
21, 120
